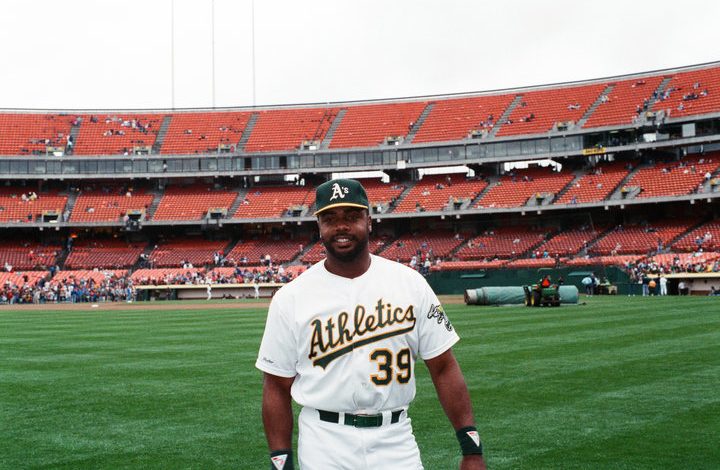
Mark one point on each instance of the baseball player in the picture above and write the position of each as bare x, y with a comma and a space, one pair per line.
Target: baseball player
342, 341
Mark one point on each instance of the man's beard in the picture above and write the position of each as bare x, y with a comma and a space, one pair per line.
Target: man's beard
347, 256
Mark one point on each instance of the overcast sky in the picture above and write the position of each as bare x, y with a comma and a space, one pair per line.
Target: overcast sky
102, 54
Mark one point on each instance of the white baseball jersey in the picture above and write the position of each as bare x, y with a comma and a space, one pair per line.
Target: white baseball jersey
352, 343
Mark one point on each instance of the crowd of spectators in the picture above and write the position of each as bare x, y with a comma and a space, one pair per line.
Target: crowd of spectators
120, 288
71, 290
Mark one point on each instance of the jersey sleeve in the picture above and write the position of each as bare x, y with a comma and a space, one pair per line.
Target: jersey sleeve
278, 349
437, 334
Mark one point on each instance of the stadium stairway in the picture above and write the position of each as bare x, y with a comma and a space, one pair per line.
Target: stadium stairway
668, 246
481, 194
505, 115
298, 259
70, 204
417, 124
710, 186
329, 115
247, 132
157, 196
581, 122
659, 91
157, 145
617, 191
401, 196
74, 132
578, 175
325, 144
236, 203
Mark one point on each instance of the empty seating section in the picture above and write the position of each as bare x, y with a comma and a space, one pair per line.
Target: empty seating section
197, 252
568, 242
274, 201
382, 193
21, 279
109, 204
435, 192
287, 129
85, 275
116, 134
500, 243
540, 110
192, 202
691, 93
454, 119
596, 185
251, 252
105, 254
437, 243
314, 254
21, 204
28, 256
162, 276
204, 132
638, 239
369, 125
707, 237
673, 179
517, 187
27, 134
621, 104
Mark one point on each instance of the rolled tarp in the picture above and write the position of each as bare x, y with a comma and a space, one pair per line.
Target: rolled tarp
512, 295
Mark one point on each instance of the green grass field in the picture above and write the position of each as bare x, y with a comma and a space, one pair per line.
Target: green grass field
626, 383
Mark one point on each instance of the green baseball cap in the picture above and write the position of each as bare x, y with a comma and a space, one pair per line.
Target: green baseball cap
340, 192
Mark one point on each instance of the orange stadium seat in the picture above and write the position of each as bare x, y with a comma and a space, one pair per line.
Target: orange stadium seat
507, 242
280, 251
621, 104
691, 93
435, 192
191, 133
109, 204
674, 179
706, 236
438, 243
27, 134
516, 188
596, 185
287, 129
103, 254
369, 125
198, 252
540, 110
192, 202
18, 209
638, 239
28, 255
454, 119
274, 201
116, 134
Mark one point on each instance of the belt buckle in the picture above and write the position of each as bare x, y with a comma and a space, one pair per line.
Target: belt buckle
364, 421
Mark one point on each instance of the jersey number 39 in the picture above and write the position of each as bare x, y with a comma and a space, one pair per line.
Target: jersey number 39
402, 369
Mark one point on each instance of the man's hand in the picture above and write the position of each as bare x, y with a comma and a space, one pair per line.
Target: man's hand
472, 462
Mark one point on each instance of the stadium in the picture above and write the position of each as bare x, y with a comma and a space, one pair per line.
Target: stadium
605, 176
140, 248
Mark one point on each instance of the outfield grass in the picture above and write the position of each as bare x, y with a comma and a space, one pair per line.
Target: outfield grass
618, 383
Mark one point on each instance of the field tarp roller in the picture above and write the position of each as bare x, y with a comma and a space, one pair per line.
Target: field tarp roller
512, 295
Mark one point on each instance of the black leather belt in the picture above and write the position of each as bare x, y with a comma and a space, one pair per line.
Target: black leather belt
359, 421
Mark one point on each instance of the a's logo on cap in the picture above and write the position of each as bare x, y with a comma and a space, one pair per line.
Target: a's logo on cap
338, 192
